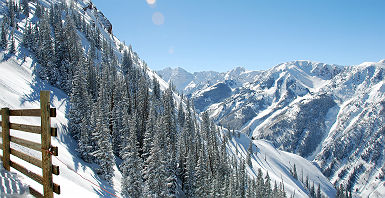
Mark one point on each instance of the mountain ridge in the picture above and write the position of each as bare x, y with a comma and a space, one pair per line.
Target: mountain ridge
330, 114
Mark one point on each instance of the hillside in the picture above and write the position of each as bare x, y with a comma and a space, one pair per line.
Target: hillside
20, 88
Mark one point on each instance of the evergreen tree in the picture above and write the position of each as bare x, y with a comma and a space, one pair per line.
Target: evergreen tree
319, 191
201, 174
4, 34
181, 114
25, 6
46, 52
12, 48
312, 191
155, 170
249, 153
78, 108
267, 187
27, 36
104, 153
295, 172
131, 169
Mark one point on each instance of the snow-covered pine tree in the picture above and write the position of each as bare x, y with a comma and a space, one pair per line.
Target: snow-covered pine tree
78, 108
201, 177
267, 187
143, 109
45, 51
25, 7
103, 154
149, 134
155, 171
4, 34
131, 168
12, 47
318, 195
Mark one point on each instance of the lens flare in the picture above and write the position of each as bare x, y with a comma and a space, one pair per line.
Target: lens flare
171, 50
151, 2
158, 18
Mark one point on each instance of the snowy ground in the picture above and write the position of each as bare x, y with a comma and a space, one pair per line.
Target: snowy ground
278, 164
20, 89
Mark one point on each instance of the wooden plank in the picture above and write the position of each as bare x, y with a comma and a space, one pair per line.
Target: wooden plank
26, 128
32, 145
27, 172
46, 143
54, 132
52, 112
34, 176
26, 157
35, 193
32, 160
31, 112
55, 170
25, 112
6, 137
30, 128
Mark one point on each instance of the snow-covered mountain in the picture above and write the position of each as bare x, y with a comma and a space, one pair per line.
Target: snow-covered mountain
330, 114
20, 85
189, 83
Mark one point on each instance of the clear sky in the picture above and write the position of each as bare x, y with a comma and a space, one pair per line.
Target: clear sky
257, 34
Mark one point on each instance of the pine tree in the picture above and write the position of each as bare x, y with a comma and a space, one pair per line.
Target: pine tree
39, 10
104, 153
12, 48
143, 107
249, 153
319, 191
131, 169
27, 36
267, 187
25, 6
295, 172
148, 135
85, 143
46, 52
4, 34
260, 183
155, 170
78, 108
181, 114
201, 174
312, 191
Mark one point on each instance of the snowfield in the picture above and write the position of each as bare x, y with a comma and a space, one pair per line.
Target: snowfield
278, 164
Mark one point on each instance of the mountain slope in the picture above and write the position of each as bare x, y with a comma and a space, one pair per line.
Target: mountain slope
279, 164
333, 115
21, 89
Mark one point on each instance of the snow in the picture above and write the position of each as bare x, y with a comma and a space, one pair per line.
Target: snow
20, 89
278, 164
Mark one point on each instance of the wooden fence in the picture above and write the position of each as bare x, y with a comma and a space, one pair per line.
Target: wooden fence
45, 113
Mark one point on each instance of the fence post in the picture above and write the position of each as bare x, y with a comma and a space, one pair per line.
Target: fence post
5, 132
46, 143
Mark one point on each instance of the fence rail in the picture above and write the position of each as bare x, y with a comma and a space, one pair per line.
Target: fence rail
45, 147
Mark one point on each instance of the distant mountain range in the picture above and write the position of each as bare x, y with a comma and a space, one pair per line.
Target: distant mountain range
332, 115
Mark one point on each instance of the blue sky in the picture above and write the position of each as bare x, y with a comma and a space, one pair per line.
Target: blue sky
257, 34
